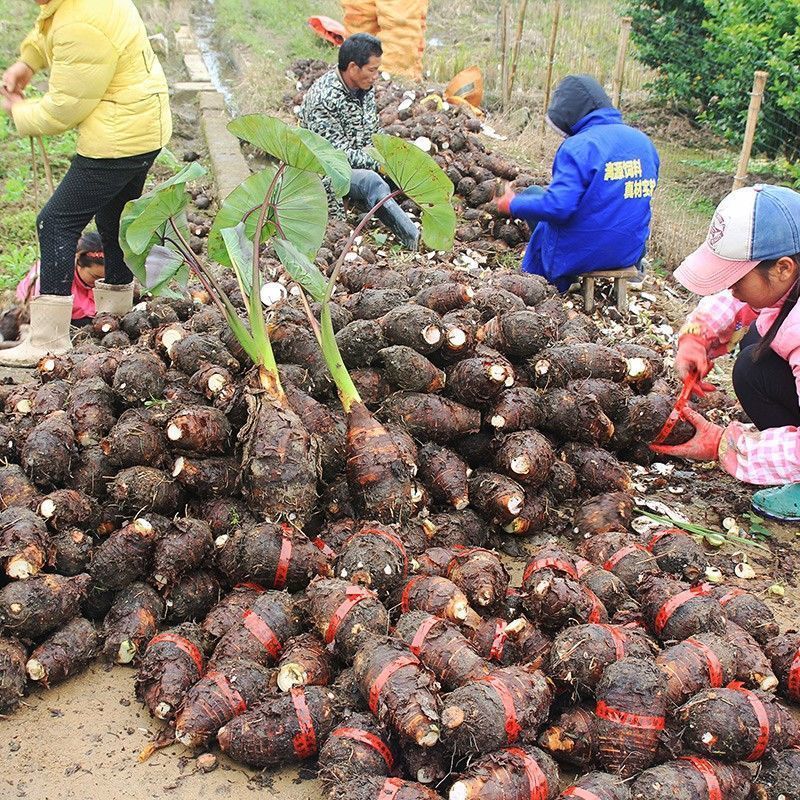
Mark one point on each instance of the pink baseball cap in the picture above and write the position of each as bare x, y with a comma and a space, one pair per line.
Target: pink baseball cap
750, 225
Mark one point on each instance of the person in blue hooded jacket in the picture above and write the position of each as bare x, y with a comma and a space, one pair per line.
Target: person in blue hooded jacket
595, 214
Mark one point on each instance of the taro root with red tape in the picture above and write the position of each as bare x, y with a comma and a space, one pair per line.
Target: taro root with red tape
597, 786
356, 749
784, 653
748, 612
692, 778
374, 556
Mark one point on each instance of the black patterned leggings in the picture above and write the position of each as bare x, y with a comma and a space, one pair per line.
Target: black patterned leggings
92, 187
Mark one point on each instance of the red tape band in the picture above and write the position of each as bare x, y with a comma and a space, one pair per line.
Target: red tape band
353, 595
596, 614
235, 701
422, 632
389, 537
323, 547
250, 585
793, 681
369, 739
726, 598
262, 632
512, 725
183, 644
499, 641
659, 536
674, 603
605, 711
386, 673
282, 570
550, 563
304, 742
709, 776
584, 794
763, 725
404, 599
712, 662
390, 788
619, 639
537, 780
620, 554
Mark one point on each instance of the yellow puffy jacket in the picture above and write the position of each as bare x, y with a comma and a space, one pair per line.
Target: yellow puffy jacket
105, 79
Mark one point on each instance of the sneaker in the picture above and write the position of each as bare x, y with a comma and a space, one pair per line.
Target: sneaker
779, 502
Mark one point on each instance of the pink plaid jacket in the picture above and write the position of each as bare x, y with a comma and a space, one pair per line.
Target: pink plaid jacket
766, 457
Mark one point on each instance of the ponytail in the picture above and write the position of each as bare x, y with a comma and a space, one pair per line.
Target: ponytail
788, 304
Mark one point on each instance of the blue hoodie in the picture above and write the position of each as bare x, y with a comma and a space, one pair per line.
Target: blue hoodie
595, 214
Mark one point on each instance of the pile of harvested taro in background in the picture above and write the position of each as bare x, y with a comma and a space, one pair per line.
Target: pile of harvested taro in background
396, 654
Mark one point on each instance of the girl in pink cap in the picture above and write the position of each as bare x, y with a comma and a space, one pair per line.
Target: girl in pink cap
748, 271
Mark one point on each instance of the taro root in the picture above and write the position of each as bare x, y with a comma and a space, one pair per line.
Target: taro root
536, 514
645, 419
124, 556
345, 614
438, 596
409, 370
496, 495
224, 515
273, 555
778, 777
514, 773
580, 654
451, 528
206, 477
612, 396
610, 590
692, 778
748, 612
442, 648
280, 729
16, 488
597, 786
140, 376
429, 417
598, 471
197, 349
518, 334
103, 364
12, 673
261, 631
192, 596
506, 643
143, 489
677, 553
230, 608
92, 472
220, 695
372, 788
372, 303
131, 622
479, 573
49, 397
575, 417
48, 450
555, 366
532, 289
69, 508
631, 703
356, 750
25, 546
674, 611
398, 689
184, 547
506, 706
491, 302
460, 333
736, 724
525, 456
476, 381
73, 551
373, 556
360, 341
620, 555
699, 662
32, 608
444, 297
784, 653
134, 442
604, 513
515, 409
753, 668
201, 430
444, 474
413, 326
572, 738
64, 653
91, 409
304, 661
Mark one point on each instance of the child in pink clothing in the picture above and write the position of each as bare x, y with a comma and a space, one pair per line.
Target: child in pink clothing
89, 267
749, 273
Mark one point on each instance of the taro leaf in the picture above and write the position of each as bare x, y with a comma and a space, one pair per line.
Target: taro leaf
301, 206
301, 269
422, 180
296, 147
240, 253
164, 265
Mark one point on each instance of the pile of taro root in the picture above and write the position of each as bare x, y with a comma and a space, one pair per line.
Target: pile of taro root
452, 137
398, 656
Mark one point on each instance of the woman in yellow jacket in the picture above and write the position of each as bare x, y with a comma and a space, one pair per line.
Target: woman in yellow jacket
106, 82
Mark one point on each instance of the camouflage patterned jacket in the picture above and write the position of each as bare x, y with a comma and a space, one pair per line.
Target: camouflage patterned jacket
347, 119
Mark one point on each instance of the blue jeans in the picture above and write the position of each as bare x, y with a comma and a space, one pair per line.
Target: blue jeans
368, 188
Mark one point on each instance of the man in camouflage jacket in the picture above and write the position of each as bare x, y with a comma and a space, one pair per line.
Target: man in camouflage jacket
340, 106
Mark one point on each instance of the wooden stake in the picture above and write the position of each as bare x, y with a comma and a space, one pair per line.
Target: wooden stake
551, 55
35, 173
619, 67
48, 172
759, 81
517, 47
503, 53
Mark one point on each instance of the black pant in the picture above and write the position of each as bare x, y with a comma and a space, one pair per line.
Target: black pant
766, 388
92, 187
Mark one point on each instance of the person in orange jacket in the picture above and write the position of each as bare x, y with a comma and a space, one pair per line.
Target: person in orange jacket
399, 24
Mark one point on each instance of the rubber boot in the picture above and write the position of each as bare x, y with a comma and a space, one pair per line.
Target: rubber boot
400, 224
111, 298
779, 502
48, 333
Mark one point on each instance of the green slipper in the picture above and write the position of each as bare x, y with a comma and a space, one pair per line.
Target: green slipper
779, 502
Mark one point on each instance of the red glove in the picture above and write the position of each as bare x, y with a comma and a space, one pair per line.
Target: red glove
692, 357
703, 446
504, 203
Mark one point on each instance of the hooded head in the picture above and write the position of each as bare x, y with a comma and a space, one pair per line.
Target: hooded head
574, 98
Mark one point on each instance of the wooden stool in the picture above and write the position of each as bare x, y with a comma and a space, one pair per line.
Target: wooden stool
620, 278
